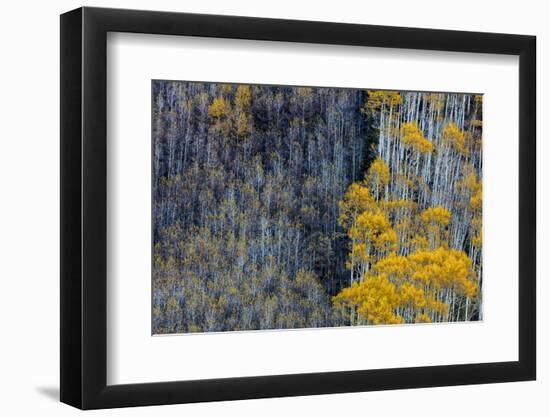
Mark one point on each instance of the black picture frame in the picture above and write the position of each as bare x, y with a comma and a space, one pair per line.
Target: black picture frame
84, 207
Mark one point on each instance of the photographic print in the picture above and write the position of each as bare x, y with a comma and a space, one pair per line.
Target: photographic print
284, 207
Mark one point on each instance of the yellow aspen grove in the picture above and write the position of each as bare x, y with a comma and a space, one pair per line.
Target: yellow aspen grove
426, 187
424, 286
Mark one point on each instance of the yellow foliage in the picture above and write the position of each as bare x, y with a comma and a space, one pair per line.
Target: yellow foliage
471, 186
436, 215
243, 124
477, 240
218, 108
469, 182
386, 241
423, 318
404, 226
375, 229
374, 299
402, 213
405, 182
456, 137
226, 88
476, 200
305, 91
379, 98
194, 328
394, 266
409, 286
437, 306
436, 100
356, 201
412, 137
411, 295
476, 123
359, 251
419, 242
172, 305
442, 268
305, 279
379, 173
243, 97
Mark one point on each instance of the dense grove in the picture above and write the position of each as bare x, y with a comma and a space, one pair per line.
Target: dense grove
287, 207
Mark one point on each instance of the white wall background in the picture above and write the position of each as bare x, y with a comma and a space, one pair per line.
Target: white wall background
29, 225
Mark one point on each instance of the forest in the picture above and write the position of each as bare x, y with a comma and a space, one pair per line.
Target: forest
278, 207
